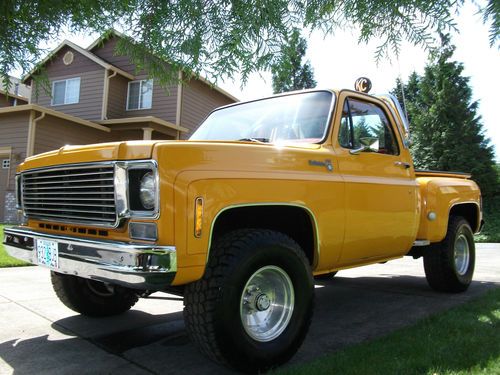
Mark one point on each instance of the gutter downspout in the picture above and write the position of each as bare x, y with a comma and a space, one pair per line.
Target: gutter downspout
179, 103
16, 93
30, 149
105, 94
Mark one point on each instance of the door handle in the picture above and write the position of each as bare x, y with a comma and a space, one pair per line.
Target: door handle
402, 164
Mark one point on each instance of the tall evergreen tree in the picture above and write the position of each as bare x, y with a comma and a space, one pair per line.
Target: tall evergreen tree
447, 133
288, 71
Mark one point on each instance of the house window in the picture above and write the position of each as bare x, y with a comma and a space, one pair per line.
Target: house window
6, 163
140, 94
66, 91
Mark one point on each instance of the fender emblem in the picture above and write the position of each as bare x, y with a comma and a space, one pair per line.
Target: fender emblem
327, 164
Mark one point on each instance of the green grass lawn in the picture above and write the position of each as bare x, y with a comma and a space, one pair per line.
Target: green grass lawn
463, 340
6, 260
491, 230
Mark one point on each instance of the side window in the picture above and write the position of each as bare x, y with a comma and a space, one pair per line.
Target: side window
365, 123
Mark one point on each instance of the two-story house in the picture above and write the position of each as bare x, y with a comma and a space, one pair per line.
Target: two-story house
95, 96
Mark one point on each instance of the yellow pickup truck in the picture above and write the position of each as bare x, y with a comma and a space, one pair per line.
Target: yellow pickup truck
264, 197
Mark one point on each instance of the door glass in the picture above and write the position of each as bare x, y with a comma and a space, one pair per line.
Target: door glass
362, 122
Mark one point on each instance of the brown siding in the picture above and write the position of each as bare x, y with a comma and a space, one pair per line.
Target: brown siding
4, 101
117, 98
89, 106
164, 103
106, 52
68, 133
81, 64
14, 133
9, 101
198, 100
127, 135
164, 99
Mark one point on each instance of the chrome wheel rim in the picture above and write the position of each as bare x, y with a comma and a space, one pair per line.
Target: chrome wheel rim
461, 254
266, 303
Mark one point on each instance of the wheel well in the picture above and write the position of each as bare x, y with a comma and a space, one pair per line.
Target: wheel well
296, 222
469, 211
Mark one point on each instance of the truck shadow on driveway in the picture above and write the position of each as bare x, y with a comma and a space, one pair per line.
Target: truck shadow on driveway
348, 311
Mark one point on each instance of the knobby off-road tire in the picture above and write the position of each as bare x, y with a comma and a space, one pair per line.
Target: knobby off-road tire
449, 265
90, 297
251, 274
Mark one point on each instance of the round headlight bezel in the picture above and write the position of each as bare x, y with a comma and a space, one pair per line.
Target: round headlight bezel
147, 191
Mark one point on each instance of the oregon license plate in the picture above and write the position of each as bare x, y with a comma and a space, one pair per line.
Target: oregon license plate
47, 253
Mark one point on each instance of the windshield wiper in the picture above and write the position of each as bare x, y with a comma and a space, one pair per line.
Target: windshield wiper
256, 140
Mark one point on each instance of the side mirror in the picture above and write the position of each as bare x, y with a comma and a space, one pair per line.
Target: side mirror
367, 144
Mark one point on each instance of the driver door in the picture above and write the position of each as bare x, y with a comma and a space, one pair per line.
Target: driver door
381, 191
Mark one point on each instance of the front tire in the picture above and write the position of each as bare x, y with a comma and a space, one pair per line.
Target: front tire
253, 307
449, 265
325, 276
91, 297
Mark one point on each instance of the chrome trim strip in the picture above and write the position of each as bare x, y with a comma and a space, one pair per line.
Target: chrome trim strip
70, 166
417, 243
119, 195
309, 211
142, 164
139, 266
34, 208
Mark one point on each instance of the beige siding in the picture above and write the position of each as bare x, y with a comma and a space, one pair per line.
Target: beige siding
68, 133
198, 100
89, 106
14, 133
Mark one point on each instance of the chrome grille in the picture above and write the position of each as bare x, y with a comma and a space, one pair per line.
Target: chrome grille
78, 194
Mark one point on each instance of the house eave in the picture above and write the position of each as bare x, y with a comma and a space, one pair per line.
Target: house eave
143, 119
51, 112
83, 52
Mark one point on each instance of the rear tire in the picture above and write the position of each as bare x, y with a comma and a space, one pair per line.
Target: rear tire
91, 297
253, 307
449, 265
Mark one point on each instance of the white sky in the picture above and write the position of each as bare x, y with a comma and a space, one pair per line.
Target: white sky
338, 60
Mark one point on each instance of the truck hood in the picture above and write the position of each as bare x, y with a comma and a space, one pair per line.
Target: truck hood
134, 150
129, 150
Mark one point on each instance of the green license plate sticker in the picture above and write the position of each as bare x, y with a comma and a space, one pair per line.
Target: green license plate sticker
47, 253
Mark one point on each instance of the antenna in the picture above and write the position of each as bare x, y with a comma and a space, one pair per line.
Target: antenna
402, 90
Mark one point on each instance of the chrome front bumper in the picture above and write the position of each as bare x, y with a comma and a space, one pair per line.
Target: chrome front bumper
138, 266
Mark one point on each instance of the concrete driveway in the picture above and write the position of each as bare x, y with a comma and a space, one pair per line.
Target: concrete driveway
38, 335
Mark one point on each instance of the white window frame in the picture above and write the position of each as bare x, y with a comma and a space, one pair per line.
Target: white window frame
66, 101
5, 163
140, 96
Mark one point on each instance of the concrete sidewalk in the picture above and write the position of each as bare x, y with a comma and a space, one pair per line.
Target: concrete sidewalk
40, 336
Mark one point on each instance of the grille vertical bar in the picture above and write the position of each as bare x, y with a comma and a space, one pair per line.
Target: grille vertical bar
77, 194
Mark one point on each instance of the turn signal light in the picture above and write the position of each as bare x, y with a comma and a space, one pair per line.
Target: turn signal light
198, 216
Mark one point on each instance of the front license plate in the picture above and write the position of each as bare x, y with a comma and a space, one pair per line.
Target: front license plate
47, 253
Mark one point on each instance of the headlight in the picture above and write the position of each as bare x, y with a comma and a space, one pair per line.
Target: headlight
143, 190
147, 191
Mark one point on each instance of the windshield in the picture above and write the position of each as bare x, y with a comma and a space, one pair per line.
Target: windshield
299, 117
